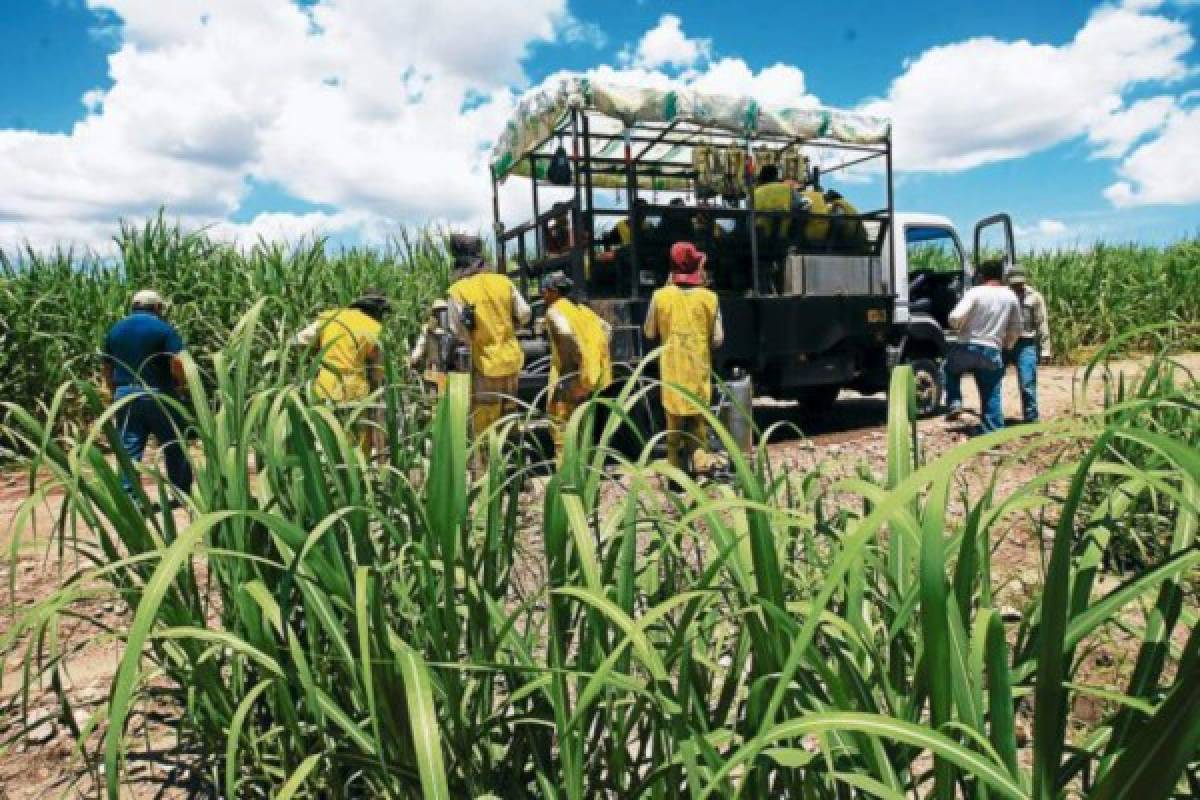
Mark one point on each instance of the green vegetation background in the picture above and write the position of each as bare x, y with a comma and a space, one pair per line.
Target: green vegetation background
55, 308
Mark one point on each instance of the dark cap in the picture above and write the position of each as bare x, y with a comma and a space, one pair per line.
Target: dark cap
467, 251
373, 302
769, 173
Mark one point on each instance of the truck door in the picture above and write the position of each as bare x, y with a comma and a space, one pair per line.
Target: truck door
994, 239
929, 267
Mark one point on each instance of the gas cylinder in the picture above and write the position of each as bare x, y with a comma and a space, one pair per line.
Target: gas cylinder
737, 409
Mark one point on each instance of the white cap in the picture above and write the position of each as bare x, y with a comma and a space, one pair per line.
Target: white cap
147, 298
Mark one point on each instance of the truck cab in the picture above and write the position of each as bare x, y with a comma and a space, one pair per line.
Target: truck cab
930, 249
931, 269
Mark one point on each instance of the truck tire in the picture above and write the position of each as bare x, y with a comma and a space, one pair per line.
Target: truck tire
927, 381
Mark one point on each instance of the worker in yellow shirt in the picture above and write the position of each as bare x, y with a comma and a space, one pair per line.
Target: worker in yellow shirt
816, 230
847, 230
772, 195
774, 202
580, 363
621, 233
686, 318
348, 340
485, 309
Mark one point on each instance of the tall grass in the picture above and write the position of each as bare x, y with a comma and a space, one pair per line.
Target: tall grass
1095, 296
56, 307
333, 627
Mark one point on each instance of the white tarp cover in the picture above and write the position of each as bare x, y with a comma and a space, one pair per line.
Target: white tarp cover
539, 114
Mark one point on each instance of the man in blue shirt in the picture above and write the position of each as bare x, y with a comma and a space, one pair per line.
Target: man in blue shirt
141, 362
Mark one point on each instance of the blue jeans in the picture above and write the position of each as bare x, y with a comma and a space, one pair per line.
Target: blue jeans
987, 365
1025, 355
145, 416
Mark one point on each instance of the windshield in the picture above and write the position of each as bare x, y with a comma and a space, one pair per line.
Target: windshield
932, 249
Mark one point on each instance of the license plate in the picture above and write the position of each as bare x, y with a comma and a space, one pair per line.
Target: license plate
876, 315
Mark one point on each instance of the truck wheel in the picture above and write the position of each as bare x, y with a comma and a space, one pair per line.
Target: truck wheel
927, 380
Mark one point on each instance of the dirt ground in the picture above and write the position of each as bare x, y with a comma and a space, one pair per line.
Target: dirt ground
45, 762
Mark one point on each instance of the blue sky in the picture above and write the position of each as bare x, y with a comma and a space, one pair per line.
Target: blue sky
262, 117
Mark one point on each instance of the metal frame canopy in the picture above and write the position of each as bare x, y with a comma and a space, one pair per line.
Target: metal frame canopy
636, 139
665, 124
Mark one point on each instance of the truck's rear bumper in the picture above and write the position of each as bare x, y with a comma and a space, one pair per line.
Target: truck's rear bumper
761, 331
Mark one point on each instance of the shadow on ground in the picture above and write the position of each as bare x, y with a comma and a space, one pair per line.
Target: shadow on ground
845, 415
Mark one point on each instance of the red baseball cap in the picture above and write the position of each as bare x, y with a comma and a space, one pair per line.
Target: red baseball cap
686, 263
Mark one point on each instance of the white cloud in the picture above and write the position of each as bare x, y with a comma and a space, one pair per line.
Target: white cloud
384, 111
776, 85
1151, 5
373, 107
666, 45
290, 227
1114, 135
1043, 228
984, 100
573, 30
1047, 233
666, 58
1162, 170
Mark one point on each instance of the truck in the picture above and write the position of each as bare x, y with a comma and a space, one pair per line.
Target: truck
815, 298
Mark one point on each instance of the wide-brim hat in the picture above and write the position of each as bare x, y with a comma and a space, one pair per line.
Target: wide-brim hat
687, 264
147, 298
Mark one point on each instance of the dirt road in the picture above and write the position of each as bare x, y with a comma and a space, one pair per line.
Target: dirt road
856, 418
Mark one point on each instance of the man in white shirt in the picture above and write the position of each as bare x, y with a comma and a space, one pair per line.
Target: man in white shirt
988, 322
1034, 344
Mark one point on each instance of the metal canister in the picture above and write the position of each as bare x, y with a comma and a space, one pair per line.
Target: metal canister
737, 409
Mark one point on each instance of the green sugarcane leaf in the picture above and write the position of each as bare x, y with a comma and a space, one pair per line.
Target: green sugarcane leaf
418, 692
234, 737
297, 778
1153, 761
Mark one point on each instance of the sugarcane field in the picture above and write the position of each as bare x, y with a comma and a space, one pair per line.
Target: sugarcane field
565, 399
